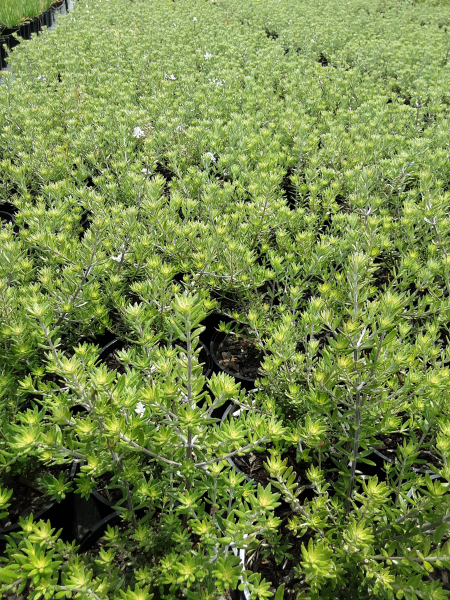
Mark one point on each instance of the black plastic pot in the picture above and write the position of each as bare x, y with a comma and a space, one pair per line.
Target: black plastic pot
97, 531
8, 34
391, 460
85, 222
44, 17
60, 516
50, 16
231, 408
110, 347
205, 357
247, 383
107, 341
88, 513
111, 344
210, 324
45, 513
36, 25
3, 52
25, 30
6, 216
8, 207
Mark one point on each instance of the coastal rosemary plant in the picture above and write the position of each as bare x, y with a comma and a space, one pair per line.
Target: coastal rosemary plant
285, 163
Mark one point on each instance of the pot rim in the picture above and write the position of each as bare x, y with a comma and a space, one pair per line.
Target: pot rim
106, 350
391, 460
16, 526
95, 532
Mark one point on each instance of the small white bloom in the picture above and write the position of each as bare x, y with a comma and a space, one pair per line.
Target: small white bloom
140, 409
208, 56
194, 19
172, 77
146, 171
174, 24
211, 156
217, 82
138, 133
117, 258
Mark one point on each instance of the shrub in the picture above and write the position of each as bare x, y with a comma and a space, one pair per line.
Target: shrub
285, 163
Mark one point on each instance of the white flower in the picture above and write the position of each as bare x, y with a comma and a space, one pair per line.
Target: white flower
194, 19
140, 409
138, 133
211, 156
208, 56
117, 258
146, 171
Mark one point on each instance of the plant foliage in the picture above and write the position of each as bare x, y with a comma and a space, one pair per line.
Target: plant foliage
286, 163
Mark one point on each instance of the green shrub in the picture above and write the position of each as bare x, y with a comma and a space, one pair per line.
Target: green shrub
285, 162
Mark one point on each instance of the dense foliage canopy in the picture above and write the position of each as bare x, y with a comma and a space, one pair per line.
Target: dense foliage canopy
287, 163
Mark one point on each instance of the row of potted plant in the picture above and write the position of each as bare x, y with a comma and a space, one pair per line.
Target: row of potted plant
13, 13
24, 23
277, 167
